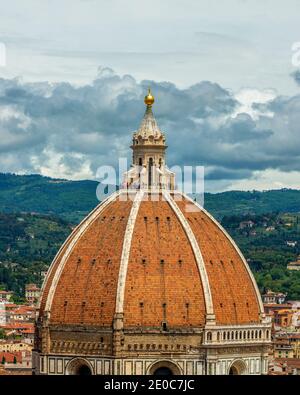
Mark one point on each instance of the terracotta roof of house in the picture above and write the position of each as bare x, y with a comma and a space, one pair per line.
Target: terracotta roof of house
10, 306
278, 306
17, 325
32, 287
290, 362
23, 310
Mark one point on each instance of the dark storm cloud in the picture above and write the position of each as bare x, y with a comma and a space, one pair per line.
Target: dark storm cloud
92, 125
296, 76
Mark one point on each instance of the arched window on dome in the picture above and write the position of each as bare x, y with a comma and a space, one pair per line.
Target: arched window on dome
259, 334
150, 172
252, 335
256, 334
236, 335
218, 336
248, 335
228, 335
209, 336
241, 335
267, 334
232, 335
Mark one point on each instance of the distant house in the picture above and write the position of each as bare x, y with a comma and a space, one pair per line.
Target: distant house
285, 366
9, 357
5, 296
14, 346
43, 274
24, 330
283, 348
22, 314
270, 228
273, 297
291, 243
294, 265
2, 314
283, 318
32, 293
16, 361
246, 224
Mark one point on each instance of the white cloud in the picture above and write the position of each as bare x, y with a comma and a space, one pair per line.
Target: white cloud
268, 179
248, 97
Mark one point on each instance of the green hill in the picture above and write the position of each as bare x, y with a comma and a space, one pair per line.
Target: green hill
28, 243
253, 202
72, 200
263, 241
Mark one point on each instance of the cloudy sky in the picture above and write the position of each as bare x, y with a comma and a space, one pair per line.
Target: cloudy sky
226, 76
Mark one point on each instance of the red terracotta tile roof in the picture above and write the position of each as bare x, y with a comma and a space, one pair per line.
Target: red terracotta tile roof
154, 292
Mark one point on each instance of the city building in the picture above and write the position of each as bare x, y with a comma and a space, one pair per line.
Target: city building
274, 297
246, 224
2, 314
21, 314
23, 331
150, 283
282, 366
14, 346
294, 265
15, 363
32, 293
291, 243
295, 343
285, 316
5, 296
9, 357
283, 348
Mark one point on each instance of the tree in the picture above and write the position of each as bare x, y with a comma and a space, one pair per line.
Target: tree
3, 360
15, 359
2, 333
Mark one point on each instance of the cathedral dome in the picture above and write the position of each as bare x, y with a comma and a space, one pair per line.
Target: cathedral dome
150, 282
162, 261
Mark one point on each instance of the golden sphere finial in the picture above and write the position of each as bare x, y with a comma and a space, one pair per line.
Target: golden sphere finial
149, 99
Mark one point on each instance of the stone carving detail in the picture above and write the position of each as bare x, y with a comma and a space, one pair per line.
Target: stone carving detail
236, 350
60, 347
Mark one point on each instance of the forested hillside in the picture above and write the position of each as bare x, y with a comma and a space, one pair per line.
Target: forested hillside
269, 242
72, 200
28, 243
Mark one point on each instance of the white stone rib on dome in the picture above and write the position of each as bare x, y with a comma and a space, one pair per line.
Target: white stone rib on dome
71, 242
259, 300
198, 256
126, 251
